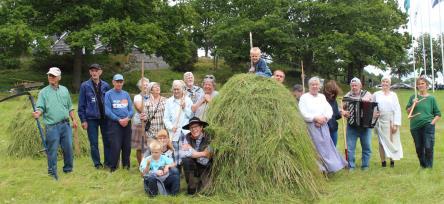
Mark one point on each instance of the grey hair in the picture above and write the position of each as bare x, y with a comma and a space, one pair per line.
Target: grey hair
313, 79
187, 74
387, 78
139, 83
152, 84
179, 83
212, 81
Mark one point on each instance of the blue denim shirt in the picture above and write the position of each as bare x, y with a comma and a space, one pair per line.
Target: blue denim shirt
262, 68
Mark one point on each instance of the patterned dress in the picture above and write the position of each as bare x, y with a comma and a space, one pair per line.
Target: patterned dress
155, 115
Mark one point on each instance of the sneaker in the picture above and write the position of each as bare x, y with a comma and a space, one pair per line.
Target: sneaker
98, 166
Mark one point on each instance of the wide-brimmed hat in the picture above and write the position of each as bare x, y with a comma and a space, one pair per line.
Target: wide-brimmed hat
195, 120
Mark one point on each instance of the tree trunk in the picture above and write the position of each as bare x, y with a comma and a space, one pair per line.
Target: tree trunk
77, 70
349, 72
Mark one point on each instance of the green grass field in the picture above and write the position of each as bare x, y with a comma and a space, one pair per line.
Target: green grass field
24, 180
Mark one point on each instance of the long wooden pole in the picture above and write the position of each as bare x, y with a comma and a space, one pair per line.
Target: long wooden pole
143, 104
344, 130
251, 46
302, 76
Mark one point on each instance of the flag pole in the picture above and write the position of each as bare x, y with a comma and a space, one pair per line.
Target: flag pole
424, 61
413, 54
440, 38
431, 48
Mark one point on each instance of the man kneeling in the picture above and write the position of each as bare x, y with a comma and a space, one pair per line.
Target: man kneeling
195, 153
160, 175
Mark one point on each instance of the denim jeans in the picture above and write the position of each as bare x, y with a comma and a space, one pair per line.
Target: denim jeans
334, 137
60, 133
424, 138
93, 136
364, 134
171, 183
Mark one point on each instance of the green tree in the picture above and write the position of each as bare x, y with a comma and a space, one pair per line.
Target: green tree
16, 36
419, 54
155, 27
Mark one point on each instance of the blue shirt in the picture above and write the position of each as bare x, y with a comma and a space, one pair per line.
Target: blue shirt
118, 105
155, 165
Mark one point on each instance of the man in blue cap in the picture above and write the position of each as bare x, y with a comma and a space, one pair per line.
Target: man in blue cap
119, 110
92, 114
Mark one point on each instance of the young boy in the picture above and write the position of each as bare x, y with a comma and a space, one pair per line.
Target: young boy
159, 172
259, 65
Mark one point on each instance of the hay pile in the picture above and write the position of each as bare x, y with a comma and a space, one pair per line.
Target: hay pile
261, 142
24, 138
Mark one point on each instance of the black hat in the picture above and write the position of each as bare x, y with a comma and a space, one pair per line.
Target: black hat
195, 120
95, 66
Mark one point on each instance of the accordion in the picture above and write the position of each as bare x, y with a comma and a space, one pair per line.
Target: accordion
362, 113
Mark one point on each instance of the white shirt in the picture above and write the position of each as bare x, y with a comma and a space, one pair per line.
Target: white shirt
389, 103
175, 116
311, 106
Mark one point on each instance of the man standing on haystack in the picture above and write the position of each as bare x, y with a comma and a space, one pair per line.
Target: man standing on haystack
54, 102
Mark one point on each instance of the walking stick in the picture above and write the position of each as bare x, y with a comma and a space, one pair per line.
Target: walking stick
344, 130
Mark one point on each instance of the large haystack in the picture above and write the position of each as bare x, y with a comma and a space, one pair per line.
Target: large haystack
24, 138
261, 142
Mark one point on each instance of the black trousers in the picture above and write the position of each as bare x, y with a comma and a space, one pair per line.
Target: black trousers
196, 175
120, 138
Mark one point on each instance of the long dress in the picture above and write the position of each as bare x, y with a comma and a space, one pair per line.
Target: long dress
311, 106
390, 114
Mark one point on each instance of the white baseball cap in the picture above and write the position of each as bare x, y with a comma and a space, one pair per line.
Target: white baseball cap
54, 71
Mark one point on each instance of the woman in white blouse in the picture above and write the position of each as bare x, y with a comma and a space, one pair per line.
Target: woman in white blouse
316, 112
387, 127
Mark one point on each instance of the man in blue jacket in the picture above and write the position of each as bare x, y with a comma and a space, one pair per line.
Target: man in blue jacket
92, 114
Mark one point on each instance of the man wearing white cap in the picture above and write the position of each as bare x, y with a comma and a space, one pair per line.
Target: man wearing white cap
54, 102
353, 133
119, 111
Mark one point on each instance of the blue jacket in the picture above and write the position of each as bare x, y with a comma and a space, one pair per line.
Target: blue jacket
262, 68
88, 106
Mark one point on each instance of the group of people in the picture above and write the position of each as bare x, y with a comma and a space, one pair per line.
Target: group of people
168, 133
321, 112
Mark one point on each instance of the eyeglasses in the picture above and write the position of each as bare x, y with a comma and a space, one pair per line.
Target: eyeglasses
209, 77
194, 127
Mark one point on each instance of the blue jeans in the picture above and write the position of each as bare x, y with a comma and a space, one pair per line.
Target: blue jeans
424, 138
60, 133
364, 134
171, 183
334, 137
93, 136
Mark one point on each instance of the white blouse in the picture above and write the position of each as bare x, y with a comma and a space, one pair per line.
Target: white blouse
311, 106
389, 103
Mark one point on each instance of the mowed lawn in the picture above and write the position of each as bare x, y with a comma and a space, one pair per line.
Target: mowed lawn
24, 180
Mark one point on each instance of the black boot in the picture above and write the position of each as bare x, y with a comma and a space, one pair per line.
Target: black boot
392, 163
384, 164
